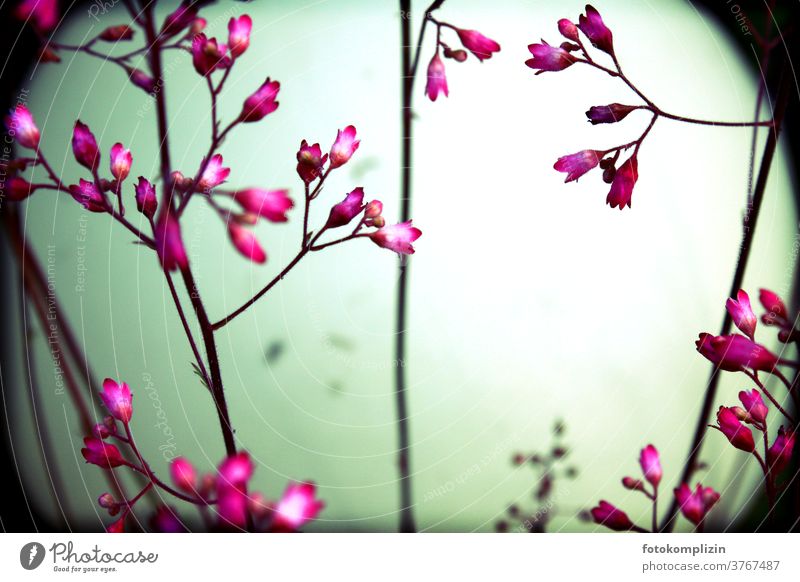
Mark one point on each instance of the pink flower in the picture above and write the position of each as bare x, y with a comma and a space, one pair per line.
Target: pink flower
397, 237
239, 34
780, 453
771, 301
21, 126
310, 162
107, 501
633, 484
372, 214
146, 200
344, 147
18, 189
84, 146
342, 213
742, 314
695, 505
576, 165
166, 520
738, 434
246, 243
269, 204
232, 501
458, 55
169, 243
623, 183
143, 81
261, 103
609, 113
735, 353
297, 507
183, 475
754, 406
116, 33
118, 526
235, 471
479, 45
611, 517
548, 58
88, 196
101, 453
651, 465
596, 31
568, 29
121, 161
437, 81
118, 400
43, 14
213, 173
183, 16
208, 55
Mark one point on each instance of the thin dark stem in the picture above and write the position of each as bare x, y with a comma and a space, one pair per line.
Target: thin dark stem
749, 227
655, 508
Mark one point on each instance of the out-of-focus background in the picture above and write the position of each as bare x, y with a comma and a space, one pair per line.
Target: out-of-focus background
531, 300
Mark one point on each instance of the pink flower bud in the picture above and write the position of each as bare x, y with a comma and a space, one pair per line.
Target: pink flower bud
183, 475
146, 200
374, 209
208, 55
611, 517
116, 33
738, 434
780, 453
310, 162
344, 147
106, 501
197, 26
18, 189
231, 484
576, 165
735, 353
21, 127
548, 58
478, 44
651, 465
118, 400
246, 243
102, 454
43, 14
121, 161
397, 237
84, 146
169, 243
695, 504
269, 204
48, 55
261, 103
754, 405
623, 183
183, 16
458, 55
342, 213
633, 484
213, 174
88, 196
297, 507
777, 314
239, 34
596, 31
142, 80
609, 113
101, 431
118, 526
568, 29
437, 80
742, 313
235, 471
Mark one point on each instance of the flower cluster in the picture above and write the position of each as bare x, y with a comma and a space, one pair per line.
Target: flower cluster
227, 491
694, 504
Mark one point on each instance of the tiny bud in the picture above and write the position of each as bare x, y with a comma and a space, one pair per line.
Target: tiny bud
458, 55
106, 501
568, 29
632, 484
110, 424
569, 46
116, 33
518, 458
48, 55
559, 452
143, 81
198, 25
100, 430
608, 174
378, 222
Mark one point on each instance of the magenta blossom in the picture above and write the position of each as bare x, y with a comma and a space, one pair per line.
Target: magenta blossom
269, 204
342, 213
261, 103
478, 44
633, 484
18, 189
118, 400
780, 453
696, 504
183, 475
372, 214
344, 147
568, 29
166, 520
213, 173
21, 126
208, 55
143, 81
239, 34
169, 243
297, 507
651, 465
43, 14
102, 454
735, 353
116, 33
742, 313
609, 113
146, 200
754, 406
88, 196
576, 165
397, 237
246, 243
310, 162
183, 16
84, 146
611, 517
231, 486
437, 80
548, 58
596, 31
738, 434
777, 314
623, 183
121, 161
